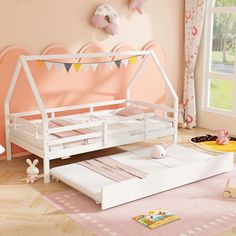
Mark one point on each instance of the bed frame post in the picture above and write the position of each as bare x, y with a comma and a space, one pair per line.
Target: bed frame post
173, 93
7, 109
175, 137
46, 170
46, 160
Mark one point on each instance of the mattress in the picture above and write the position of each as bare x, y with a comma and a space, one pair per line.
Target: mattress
91, 183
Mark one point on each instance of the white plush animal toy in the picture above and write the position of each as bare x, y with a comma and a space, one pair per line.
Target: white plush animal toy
2, 149
158, 151
32, 171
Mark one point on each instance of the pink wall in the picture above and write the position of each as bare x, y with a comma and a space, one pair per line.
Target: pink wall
30, 23
36, 24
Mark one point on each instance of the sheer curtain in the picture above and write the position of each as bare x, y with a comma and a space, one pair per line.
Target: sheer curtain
194, 17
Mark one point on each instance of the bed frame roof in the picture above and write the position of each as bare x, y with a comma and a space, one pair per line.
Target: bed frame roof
22, 63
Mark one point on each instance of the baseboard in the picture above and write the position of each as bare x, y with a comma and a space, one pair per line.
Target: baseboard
15, 155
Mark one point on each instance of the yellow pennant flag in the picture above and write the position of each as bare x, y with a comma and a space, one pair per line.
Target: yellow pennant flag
77, 66
132, 60
39, 63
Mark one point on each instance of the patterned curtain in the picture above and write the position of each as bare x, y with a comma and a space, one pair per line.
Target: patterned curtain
194, 16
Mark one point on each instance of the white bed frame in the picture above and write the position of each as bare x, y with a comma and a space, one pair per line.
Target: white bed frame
31, 143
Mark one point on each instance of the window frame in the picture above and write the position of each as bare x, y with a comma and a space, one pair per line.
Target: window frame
207, 74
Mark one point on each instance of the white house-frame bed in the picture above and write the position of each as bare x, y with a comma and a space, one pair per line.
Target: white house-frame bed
89, 131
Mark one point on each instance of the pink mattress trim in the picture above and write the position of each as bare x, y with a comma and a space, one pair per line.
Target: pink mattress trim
113, 169
65, 134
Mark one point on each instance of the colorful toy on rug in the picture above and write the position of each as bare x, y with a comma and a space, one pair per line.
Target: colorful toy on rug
230, 192
32, 171
222, 136
156, 218
158, 151
221, 142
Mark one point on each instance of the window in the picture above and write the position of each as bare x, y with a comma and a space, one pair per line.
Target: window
220, 57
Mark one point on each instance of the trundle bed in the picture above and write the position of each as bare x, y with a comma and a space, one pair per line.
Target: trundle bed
181, 166
59, 135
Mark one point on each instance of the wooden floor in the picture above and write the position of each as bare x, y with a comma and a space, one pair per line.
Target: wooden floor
23, 211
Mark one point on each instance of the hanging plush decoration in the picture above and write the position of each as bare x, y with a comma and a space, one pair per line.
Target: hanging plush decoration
136, 5
106, 18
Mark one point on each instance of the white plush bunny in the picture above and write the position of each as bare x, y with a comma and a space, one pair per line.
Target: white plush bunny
32, 171
2, 149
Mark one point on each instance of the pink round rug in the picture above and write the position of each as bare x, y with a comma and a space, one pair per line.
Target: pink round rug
201, 206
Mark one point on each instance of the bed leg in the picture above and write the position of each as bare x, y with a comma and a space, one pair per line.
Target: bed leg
8, 143
46, 170
175, 138
8, 151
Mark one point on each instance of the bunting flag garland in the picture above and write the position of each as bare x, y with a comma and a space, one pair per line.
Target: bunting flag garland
118, 62
132, 60
86, 65
58, 66
139, 59
94, 67
67, 66
125, 61
39, 63
109, 66
49, 65
77, 66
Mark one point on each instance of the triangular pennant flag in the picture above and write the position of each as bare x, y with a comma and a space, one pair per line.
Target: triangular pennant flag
39, 63
125, 61
118, 62
67, 66
58, 66
140, 58
94, 66
86, 67
109, 65
49, 65
77, 66
132, 60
